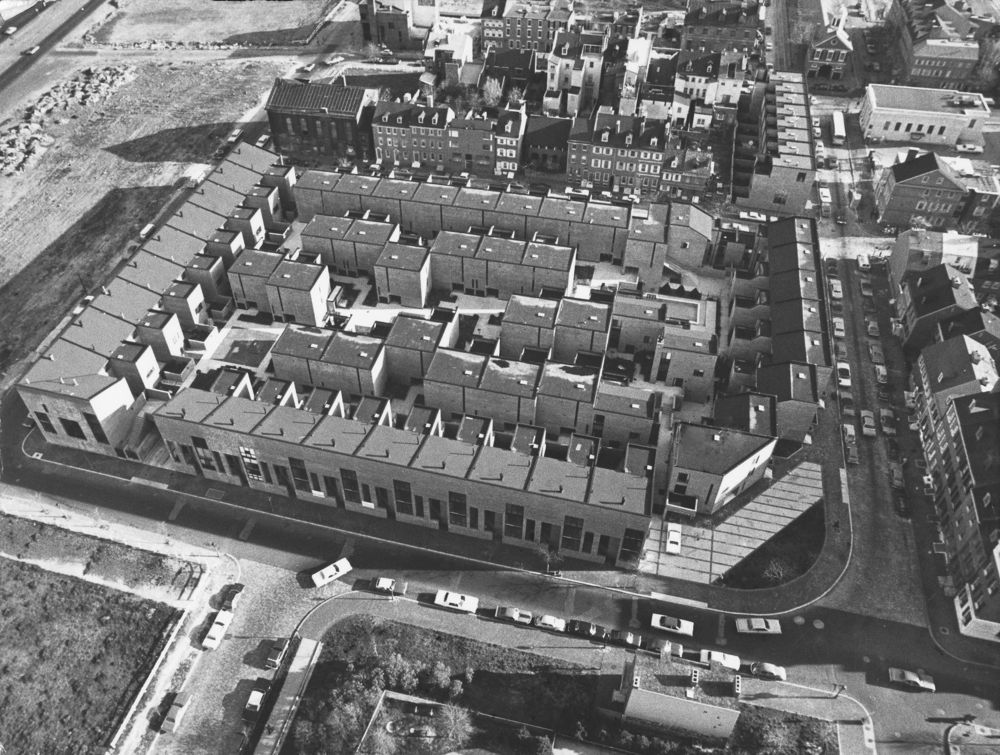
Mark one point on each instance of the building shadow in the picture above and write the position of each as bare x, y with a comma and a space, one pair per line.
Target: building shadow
189, 144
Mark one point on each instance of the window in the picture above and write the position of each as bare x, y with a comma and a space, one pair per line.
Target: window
513, 521
203, 454
572, 531
72, 429
457, 514
780, 198
473, 518
588, 542
699, 373
632, 544
404, 497
300, 477
682, 477
800, 178
352, 492
249, 457
45, 422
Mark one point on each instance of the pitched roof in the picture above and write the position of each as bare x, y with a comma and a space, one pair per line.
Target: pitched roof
336, 99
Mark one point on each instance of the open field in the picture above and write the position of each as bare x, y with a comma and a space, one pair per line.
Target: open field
68, 221
197, 21
74, 655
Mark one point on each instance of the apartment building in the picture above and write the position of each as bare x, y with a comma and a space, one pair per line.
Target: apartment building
398, 24
407, 133
665, 234
930, 116
928, 298
486, 142
956, 405
546, 143
528, 323
938, 44
619, 152
776, 175
351, 244
575, 67
533, 25
689, 173
720, 26
929, 191
324, 123
710, 466
710, 78
597, 228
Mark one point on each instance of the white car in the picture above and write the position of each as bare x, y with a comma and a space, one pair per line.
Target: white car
768, 671
868, 423
726, 660
839, 331
671, 624
843, 374
456, 601
912, 679
515, 615
881, 375
220, 625
674, 538
552, 623
330, 572
757, 625
836, 290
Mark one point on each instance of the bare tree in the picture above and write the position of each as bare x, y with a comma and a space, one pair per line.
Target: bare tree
549, 556
777, 571
515, 97
492, 92
456, 725
373, 50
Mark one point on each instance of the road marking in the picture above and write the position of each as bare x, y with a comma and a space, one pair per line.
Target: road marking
149, 483
175, 511
247, 529
679, 601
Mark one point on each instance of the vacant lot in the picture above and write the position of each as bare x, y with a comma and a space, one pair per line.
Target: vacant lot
69, 220
74, 655
363, 655
199, 21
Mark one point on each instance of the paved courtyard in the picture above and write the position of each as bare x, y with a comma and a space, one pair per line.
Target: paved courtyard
709, 552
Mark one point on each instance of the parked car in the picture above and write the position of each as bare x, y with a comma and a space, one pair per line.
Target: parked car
263, 140
515, 615
231, 596
758, 625
389, 586
768, 671
901, 505
586, 629
887, 418
866, 289
852, 454
726, 660
277, 653
836, 290
896, 478
175, 713
32, 50
673, 537
975, 149
914, 680
456, 601
882, 393
234, 136
838, 327
847, 406
843, 374
220, 625
307, 68
672, 624
255, 702
625, 638
881, 375
551, 623
875, 353
850, 434
831, 268
868, 423
873, 330
330, 572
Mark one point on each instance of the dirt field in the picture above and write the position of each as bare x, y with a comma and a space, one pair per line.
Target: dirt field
74, 655
194, 21
75, 212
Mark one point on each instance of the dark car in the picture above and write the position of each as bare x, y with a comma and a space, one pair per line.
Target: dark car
625, 638
586, 629
232, 596
901, 505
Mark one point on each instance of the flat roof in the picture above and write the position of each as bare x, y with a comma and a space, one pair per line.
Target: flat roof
256, 263
611, 488
288, 424
568, 381
327, 227
126, 300
192, 405
715, 450
352, 350
69, 370
238, 414
414, 333
445, 456
97, 331
403, 257
937, 101
530, 310
319, 180
560, 479
455, 244
586, 315
342, 434
458, 368
498, 466
390, 445
299, 342
510, 377
293, 274
364, 231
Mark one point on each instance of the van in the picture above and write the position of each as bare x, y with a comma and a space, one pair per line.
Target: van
147, 231
864, 263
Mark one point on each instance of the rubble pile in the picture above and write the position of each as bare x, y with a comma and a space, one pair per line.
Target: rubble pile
20, 142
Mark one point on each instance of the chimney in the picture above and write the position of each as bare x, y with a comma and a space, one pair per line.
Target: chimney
618, 126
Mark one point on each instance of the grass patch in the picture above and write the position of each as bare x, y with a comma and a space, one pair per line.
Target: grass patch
778, 733
363, 655
787, 555
74, 656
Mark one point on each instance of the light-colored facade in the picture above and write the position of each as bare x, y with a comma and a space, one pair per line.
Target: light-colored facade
930, 116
